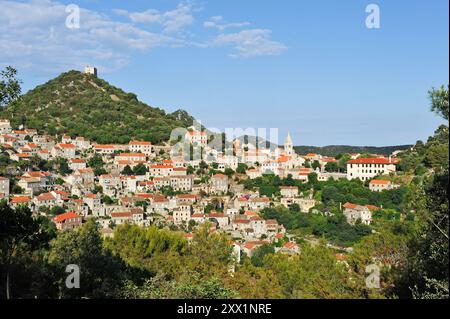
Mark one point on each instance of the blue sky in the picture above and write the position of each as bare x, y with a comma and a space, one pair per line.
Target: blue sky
311, 68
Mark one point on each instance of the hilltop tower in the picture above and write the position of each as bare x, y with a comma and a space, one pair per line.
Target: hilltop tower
91, 70
288, 146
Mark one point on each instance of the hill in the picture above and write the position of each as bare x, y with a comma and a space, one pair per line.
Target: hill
333, 150
80, 104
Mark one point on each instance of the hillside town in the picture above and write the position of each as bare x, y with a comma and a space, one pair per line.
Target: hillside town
145, 184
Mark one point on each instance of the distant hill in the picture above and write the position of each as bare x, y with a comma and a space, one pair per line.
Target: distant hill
333, 150
80, 104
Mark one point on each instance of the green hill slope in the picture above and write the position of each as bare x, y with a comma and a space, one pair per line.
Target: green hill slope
79, 104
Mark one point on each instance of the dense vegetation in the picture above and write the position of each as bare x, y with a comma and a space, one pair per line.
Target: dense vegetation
79, 104
157, 263
333, 228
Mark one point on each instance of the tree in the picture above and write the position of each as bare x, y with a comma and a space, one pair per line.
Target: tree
100, 271
9, 86
312, 178
314, 273
257, 258
295, 208
127, 171
439, 101
242, 168
429, 250
107, 200
18, 230
56, 210
332, 167
62, 166
140, 169
96, 163
427, 273
255, 282
192, 287
315, 165
229, 172
343, 162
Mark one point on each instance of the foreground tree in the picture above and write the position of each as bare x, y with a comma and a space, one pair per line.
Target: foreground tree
9, 86
439, 101
100, 272
427, 275
19, 231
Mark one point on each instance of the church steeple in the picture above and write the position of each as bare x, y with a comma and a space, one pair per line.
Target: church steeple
288, 145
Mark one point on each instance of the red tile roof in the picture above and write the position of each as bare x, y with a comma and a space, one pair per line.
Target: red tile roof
384, 161
20, 199
379, 182
143, 143
69, 215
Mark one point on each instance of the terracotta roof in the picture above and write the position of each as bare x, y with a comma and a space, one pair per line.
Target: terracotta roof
63, 217
77, 160
143, 143
45, 196
379, 182
20, 199
283, 159
384, 161
103, 146
131, 155
350, 205
122, 215
63, 145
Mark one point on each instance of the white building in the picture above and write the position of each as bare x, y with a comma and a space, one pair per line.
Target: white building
354, 212
90, 70
194, 136
368, 168
377, 185
182, 183
64, 150
289, 191
141, 147
219, 183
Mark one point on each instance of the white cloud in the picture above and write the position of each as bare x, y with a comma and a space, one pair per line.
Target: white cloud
213, 23
33, 36
216, 18
148, 16
171, 21
179, 18
250, 43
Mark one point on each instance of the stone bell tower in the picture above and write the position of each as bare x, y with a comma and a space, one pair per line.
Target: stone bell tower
288, 146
